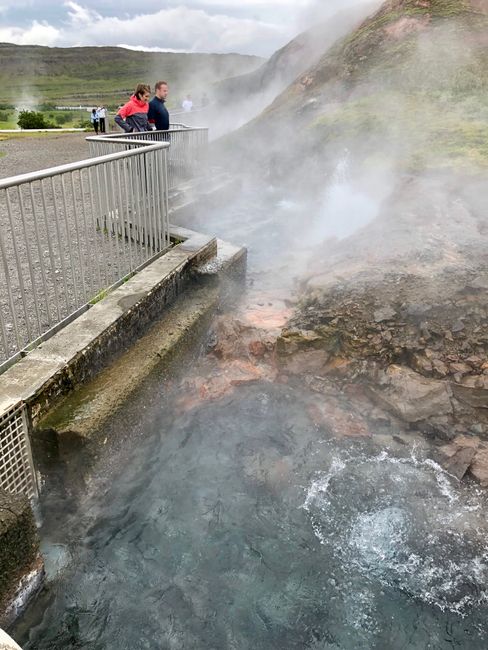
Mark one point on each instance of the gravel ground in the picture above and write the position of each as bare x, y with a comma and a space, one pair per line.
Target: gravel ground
23, 154
81, 254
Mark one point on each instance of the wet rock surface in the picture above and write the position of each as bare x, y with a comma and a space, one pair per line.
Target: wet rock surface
400, 309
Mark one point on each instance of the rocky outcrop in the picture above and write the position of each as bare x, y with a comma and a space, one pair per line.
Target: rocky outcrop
20, 563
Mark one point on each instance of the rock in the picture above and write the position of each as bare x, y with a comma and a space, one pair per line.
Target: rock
479, 467
459, 462
417, 309
228, 334
474, 361
459, 368
463, 441
438, 427
379, 416
458, 326
472, 391
460, 454
306, 361
399, 440
439, 369
478, 283
410, 396
257, 349
421, 364
385, 313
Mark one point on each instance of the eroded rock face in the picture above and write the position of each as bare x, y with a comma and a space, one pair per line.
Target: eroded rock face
410, 396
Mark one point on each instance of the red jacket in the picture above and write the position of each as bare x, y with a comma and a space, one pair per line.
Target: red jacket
133, 115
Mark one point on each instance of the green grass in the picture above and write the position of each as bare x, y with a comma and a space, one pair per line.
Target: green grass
107, 75
418, 129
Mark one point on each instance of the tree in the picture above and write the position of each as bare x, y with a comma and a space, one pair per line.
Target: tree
32, 120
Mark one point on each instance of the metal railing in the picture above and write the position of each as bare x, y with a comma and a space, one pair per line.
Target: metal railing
71, 232
16, 465
187, 156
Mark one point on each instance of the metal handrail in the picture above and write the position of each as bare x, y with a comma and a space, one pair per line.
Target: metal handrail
30, 177
71, 232
187, 155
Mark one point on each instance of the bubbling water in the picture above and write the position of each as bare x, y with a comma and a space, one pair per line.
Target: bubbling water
394, 521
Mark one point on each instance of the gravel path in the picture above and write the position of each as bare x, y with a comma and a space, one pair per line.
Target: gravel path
23, 154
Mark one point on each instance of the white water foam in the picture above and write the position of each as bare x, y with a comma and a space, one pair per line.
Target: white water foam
405, 524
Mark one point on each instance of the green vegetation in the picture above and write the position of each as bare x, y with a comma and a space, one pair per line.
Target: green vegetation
410, 84
33, 120
418, 130
105, 75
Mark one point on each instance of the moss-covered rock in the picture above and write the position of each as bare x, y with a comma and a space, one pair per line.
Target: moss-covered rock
19, 542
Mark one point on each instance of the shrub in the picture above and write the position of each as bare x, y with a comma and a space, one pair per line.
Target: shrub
33, 120
61, 118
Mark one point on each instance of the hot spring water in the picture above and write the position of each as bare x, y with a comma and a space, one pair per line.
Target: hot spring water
238, 525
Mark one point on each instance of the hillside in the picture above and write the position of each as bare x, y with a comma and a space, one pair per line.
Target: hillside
293, 59
240, 98
106, 74
389, 130
411, 83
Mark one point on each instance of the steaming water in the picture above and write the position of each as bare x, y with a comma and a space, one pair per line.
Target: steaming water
237, 525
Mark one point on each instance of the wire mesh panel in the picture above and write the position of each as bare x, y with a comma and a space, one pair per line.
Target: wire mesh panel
17, 474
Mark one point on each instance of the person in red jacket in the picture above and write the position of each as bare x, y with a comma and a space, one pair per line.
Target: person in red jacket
133, 115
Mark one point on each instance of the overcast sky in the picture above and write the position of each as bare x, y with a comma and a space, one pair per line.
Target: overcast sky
244, 26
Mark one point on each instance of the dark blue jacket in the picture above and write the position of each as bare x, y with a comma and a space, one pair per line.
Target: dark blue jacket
158, 114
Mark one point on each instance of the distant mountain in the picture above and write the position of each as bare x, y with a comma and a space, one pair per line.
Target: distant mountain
31, 73
410, 83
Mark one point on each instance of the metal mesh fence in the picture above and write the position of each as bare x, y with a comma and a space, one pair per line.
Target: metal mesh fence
16, 465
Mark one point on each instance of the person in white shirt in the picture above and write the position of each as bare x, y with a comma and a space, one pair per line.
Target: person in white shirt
187, 104
102, 114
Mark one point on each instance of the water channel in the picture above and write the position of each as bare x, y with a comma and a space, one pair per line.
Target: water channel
237, 524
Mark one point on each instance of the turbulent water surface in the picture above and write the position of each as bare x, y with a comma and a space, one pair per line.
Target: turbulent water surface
238, 524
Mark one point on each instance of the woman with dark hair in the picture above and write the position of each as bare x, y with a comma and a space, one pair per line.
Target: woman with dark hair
133, 115
94, 119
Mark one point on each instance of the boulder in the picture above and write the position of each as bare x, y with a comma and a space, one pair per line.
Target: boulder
479, 467
459, 462
472, 391
410, 396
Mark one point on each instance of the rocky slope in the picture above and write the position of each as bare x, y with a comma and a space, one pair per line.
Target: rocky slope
381, 89
291, 60
395, 316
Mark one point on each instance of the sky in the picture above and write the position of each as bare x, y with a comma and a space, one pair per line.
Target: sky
257, 27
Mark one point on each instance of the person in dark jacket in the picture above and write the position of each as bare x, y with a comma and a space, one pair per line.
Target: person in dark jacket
158, 113
133, 115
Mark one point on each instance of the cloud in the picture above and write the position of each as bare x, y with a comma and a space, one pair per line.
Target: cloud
251, 27
36, 34
183, 28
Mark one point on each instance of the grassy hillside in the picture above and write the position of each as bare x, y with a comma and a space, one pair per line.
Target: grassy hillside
87, 75
410, 83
